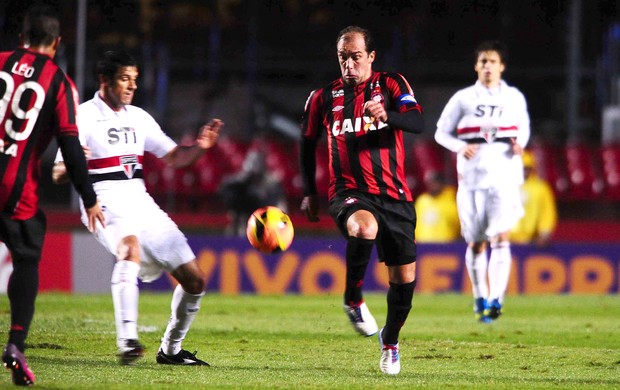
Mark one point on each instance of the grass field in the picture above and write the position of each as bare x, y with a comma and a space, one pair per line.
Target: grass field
557, 342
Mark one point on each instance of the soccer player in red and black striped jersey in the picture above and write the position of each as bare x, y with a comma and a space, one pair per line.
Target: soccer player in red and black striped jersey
38, 102
363, 115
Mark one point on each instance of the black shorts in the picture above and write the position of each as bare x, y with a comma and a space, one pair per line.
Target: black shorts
23, 238
396, 219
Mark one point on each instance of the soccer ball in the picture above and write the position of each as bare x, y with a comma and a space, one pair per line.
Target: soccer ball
270, 230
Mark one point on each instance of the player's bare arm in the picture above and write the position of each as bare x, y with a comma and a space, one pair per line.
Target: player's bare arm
184, 156
209, 134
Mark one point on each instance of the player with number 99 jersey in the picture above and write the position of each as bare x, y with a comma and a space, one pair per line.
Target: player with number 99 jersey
38, 101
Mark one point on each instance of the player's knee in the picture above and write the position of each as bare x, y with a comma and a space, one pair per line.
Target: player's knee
191, 278
195, 285
479, 247
362, 224
129, 249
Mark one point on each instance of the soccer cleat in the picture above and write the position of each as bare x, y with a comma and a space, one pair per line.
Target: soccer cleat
184, 358
390, 357
131, 352
15, 361
493, 310
361, 319
480, 305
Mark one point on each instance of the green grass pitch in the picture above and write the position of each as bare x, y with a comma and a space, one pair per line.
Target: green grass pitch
251, 342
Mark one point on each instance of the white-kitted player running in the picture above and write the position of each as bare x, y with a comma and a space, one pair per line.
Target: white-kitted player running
114, 135
488, 126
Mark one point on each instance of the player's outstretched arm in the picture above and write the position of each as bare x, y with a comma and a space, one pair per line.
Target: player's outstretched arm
209, 134
184, 156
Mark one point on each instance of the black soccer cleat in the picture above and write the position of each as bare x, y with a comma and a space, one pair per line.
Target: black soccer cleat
15, 361
132, 351
494, 310
184, 358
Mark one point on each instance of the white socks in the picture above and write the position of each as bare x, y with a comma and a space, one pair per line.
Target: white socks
125, 295
184, 307
477, 269
499, 270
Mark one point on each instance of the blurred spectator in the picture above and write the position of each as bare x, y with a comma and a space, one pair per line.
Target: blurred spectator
540, 219
249, 189
438, 219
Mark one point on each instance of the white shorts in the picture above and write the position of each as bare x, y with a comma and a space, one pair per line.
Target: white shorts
162, 245
485, 213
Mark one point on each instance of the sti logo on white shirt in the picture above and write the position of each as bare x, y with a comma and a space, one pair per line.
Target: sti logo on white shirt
127, 134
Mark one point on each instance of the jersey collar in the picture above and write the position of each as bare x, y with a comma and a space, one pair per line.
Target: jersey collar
491, 91
105, 109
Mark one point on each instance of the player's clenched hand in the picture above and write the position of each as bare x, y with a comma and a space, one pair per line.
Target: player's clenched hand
95, 214
310, 207
87, 152
375, 110
469, 150
516, 148
209, 134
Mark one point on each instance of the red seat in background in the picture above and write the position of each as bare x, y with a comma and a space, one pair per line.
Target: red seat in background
551, 166
158, 177
610, 167
427, 156
232, 151
321, 173
210, 169
584, 178
282, 159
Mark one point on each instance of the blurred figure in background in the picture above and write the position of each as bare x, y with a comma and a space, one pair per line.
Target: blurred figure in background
487, 125
541, 216
249, 189
438, 218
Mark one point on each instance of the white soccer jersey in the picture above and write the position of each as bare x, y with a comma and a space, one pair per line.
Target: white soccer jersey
491, 118
117, 141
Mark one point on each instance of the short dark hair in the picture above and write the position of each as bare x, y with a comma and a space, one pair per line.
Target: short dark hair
492, 45
368, 38
41, 26
111, 62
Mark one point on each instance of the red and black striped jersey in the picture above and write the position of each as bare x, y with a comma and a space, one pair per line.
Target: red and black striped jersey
364, 154
38, 101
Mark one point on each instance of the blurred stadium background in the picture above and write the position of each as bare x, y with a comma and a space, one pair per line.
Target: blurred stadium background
253, 63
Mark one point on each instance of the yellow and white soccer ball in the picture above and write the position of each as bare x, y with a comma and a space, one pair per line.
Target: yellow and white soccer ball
270, 230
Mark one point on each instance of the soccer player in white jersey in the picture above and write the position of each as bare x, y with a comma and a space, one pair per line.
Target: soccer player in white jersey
114, 135
487, 125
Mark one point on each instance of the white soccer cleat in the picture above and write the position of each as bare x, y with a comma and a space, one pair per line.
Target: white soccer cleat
363, 322
390, 357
